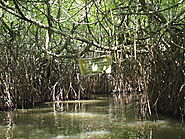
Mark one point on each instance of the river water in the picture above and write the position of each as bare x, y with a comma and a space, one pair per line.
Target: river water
105, 118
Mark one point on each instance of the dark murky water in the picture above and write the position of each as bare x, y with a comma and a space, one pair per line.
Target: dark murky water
88, 120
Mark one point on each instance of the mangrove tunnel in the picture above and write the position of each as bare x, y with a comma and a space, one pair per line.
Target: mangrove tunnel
41, 42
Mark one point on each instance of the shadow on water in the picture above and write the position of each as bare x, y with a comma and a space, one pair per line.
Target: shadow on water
105, 118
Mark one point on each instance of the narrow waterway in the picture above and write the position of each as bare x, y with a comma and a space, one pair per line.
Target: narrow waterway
106, 118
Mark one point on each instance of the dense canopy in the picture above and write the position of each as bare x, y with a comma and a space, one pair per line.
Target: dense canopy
42, 40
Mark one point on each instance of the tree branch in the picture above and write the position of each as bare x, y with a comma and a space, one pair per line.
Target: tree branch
20, 15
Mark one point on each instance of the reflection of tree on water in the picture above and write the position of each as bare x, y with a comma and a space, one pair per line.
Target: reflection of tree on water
133, 105
9, 125
65, 106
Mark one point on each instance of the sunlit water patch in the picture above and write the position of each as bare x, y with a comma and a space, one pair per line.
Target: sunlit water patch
102, 134
86, 115
96, 134
140, 124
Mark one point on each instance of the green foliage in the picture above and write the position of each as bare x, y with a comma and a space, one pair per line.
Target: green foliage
42, 40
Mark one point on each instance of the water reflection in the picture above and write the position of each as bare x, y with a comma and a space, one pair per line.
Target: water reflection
134, 107
7, 125
10, 125
114, 118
